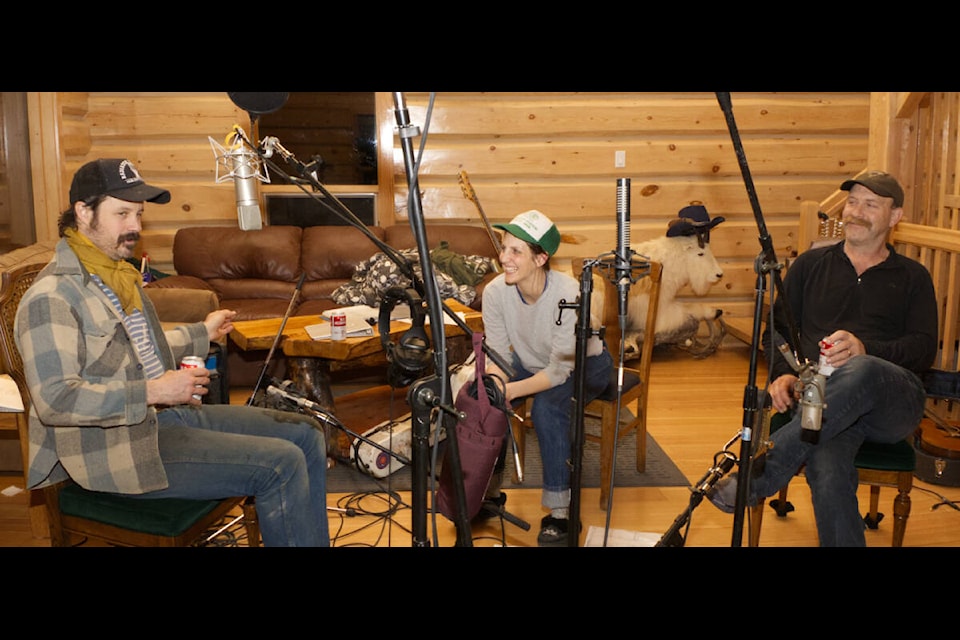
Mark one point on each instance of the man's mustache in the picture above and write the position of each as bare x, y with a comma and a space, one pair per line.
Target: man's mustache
127, 237
857, 221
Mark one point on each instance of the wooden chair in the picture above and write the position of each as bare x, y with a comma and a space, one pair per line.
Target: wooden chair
878, 465
73, 513
635, 382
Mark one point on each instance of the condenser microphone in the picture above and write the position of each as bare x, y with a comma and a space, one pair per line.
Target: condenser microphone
244, 168
242, 165
624, 259
811, 408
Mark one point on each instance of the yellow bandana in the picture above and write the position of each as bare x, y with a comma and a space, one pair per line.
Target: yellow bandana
121, 276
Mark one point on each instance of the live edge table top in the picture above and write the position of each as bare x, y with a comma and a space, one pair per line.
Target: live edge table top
251, 335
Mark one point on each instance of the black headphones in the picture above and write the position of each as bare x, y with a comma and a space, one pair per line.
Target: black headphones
411, 356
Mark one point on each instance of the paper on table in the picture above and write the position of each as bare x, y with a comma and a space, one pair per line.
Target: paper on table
446, 318
364, 312
10, 399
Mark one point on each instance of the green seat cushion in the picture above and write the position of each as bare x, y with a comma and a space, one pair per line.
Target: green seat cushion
897, 456
159, 516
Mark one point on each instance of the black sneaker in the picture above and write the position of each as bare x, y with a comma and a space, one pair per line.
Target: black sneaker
553, 532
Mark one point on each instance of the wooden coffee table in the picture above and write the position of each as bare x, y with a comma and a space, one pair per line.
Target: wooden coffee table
309, 361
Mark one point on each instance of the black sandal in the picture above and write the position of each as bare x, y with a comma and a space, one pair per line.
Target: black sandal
553, 532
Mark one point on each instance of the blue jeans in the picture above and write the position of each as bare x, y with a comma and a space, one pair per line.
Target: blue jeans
551, 415
867, 399
278, 457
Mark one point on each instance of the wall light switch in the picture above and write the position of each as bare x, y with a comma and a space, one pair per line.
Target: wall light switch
619, 159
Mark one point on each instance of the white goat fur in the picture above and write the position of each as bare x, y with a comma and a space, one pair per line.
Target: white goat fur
684, 263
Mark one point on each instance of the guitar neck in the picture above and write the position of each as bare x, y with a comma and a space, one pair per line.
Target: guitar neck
471, 195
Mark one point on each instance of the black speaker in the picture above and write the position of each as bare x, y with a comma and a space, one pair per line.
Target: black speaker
411, 356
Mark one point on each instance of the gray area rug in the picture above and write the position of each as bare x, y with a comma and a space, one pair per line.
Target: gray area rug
660, 471
345, 478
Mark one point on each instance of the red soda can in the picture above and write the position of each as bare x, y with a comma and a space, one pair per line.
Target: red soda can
193, 362
338, 325
823, 367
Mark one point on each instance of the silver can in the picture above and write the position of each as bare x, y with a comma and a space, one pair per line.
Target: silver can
194, 362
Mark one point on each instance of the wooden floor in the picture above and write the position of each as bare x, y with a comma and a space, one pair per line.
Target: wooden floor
696, 408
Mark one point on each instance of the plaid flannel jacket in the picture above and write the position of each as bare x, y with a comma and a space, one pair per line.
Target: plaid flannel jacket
89, 417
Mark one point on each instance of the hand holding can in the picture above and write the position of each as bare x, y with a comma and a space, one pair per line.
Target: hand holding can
194, 362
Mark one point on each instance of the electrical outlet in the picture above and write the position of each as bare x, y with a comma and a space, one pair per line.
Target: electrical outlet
619, 159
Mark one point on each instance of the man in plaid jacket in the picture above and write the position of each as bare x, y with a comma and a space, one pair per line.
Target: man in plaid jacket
109, 408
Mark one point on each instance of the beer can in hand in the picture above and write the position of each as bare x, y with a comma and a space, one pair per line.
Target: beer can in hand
822, 366
193, 362
338, 325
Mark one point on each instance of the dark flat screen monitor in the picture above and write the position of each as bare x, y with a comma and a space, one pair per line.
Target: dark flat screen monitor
301, 210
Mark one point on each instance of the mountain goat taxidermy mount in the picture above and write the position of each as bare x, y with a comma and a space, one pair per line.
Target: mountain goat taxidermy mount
687, 259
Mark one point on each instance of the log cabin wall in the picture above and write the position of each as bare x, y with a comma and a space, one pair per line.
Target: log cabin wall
556, 152
551, 151
916, 136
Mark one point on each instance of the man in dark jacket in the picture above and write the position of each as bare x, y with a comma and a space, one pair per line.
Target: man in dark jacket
873, 314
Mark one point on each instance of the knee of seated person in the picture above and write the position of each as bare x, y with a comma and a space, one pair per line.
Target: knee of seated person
308, 428
830, 475
287, 459
859, 368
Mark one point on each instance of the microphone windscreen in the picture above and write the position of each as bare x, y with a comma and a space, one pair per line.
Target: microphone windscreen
260, 102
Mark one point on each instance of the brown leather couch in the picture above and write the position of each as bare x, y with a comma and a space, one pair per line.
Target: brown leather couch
256, 272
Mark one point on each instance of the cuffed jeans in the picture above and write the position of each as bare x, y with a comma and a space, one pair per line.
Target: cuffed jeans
866, 399
551, 415
278, 457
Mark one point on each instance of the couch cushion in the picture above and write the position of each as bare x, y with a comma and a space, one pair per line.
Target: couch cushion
334, 252
210, 253
468, 240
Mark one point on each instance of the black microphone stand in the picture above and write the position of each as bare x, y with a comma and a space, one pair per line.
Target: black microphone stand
435, 390
624, 269
432, 392
425, 394
766, 263
251, 401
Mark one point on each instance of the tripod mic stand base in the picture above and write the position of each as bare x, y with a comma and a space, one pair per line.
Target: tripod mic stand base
492, 508
674, 539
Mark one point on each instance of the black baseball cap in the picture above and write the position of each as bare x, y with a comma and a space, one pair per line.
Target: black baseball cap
882, 184
114, 177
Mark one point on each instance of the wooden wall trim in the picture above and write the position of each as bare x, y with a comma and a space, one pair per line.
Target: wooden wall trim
386, 214
46, 162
